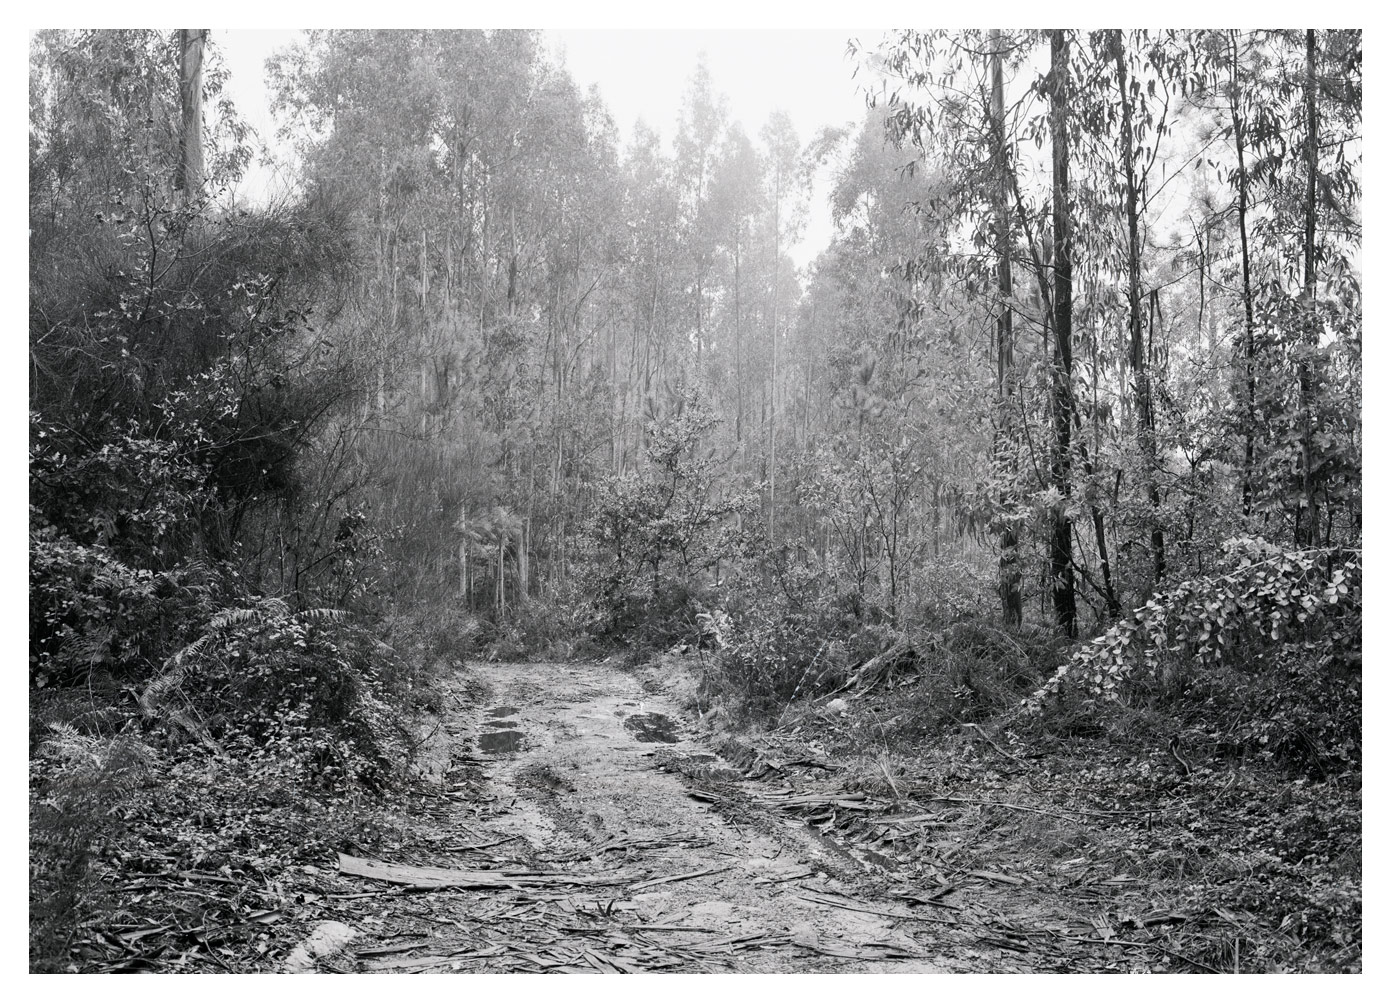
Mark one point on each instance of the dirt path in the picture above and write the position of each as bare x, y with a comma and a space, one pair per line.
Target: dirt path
632, 847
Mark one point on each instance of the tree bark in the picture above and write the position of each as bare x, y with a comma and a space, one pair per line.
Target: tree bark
1061, 537
1247, 350
1145, 412
189, 177
1309, 523
1012, 609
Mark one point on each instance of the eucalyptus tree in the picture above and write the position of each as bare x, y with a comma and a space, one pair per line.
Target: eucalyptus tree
948, 108
1060, 90
700, 125
897, 433
738, 198
189, 178
786, 200
1290, 103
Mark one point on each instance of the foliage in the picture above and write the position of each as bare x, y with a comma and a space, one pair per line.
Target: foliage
1270, 597
78, 783
296, 687
90, 614
662, 535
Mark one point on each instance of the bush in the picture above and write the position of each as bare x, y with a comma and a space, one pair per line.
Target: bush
658, 536
90, 613
1267, 656
77, 784
1269, 598
305, 688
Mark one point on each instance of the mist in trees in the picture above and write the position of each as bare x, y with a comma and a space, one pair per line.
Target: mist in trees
1091, 308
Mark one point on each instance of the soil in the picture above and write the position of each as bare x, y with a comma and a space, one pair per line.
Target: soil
582, 771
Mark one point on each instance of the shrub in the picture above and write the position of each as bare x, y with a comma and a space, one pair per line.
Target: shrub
77, 782
91, 613
657, 536
1268, 653
1268, 598
304, 686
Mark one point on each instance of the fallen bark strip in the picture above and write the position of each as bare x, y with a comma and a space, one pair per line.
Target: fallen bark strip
735, 943
855, 908
430, 961
443, 878
679, 878
997, 877
409, 946
815, 798
846, 952
458, 848
929, 818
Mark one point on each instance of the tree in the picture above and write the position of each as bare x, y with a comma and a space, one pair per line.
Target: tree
1012, 610
1061, 398
1127, 92
190, 176
699, 127
782, 148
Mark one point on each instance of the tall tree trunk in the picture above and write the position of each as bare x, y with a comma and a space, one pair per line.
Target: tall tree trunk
773, 354
1309, 522
1145, 412
1012, 609
189, 178
739, 352
1061, 537
1247, 350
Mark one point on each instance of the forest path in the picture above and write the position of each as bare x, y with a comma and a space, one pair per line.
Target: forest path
630, 847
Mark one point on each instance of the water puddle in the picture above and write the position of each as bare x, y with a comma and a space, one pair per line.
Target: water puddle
501, 712
500, 742
652, 728
493, 724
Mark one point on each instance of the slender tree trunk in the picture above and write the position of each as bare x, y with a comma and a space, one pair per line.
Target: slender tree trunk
1247, 351
189, 177
1145, 412
1310, 521
773, 355
1012, 610
1061, 573
739, 352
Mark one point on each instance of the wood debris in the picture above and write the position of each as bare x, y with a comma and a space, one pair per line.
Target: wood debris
680, 878
446, 878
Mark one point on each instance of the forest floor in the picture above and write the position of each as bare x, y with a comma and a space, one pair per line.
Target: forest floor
637, 840
579, 826
579, 818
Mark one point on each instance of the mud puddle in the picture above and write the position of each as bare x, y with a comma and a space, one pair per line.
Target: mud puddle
652, 728
500, 742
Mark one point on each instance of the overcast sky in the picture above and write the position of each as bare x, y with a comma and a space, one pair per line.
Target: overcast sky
644, 74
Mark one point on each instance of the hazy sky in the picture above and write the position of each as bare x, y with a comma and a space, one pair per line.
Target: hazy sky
643, 74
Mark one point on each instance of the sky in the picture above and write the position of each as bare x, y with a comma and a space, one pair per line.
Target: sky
643, 74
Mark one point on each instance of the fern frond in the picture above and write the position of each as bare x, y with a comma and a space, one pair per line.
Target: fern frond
233, 615
330, 614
